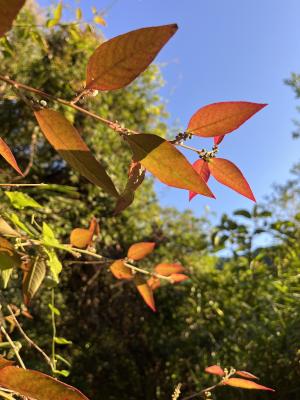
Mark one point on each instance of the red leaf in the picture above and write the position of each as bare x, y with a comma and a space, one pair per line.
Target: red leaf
176, 278
140, 250
7, 154
221, 118
228, 174
201, 167
218, 139
36, 385
168, 269
245, 384
118, 61
246, 374
215, 370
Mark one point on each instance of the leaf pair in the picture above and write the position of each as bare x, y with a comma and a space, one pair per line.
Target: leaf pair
237, 382
35, 385
226, 173
173, 271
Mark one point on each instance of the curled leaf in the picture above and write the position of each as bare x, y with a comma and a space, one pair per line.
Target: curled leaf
82, 238
215, 370
140, 250
246, 374
66, 140
218, 119
229, 174
164, 161
136, 177
245, 384
8, 12
201, 167
118, 61
120, 271
168, 269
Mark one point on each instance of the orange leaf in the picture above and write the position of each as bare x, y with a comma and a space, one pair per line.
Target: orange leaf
8, 12
136, 177
117, 62
82, 238
153, 283
164, 161
176, 278
245, 384
201, 167
7, 154
145, 291
66, 140
120, 271
168, 269
221, 118
218, 139
140, 250
215, 370
36, 385
4, 362
246, 374
228, 174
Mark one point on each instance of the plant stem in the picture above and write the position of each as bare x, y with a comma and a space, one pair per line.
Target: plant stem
142, 271
53, 361
13, 346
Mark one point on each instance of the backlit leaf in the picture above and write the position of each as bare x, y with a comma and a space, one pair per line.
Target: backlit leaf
153, 283
98, 19
218, 139
120, 271
215, 370
245, 384
145, 291
221, 118
229, 174
117, 62
177, 278
53, 261
164, 161
246, 374
21, 200
68, 143
5, 151
33, 280
168, 269
136, 177
8, 12
82, 238
201, 167
36, 385
140, 250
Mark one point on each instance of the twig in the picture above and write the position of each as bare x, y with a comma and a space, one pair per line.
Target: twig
142, 271
13, 346
27, 338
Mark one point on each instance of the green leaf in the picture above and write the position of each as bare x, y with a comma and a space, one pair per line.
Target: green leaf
21, 200
243, 213
66, 140
62, 359
56, 16
53, 261
164, 161
5, 275
61, 340
54, 309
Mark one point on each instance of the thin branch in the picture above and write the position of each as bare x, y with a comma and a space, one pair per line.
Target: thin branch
27, 338
13, 346
142, 271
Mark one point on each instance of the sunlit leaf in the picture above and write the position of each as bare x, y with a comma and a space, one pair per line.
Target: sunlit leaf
63, 341
5, 363
177, 278
245, 384
56, 15
145, 291
8, 12
215, 370
136, 177
153, 283
33, 279
68, 143
140, 250
5, 275
246, 374
229, 174
201, 167
22, 200
218, 139
53, 261
168, 269
5, 151
7, 230
98, 19
164, 161
36, 385
117, 62
221, 118
82, 238
120, 271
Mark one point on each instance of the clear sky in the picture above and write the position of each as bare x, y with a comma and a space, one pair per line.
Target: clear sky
225, 50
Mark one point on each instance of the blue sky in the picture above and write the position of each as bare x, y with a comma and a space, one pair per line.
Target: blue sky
225, 50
